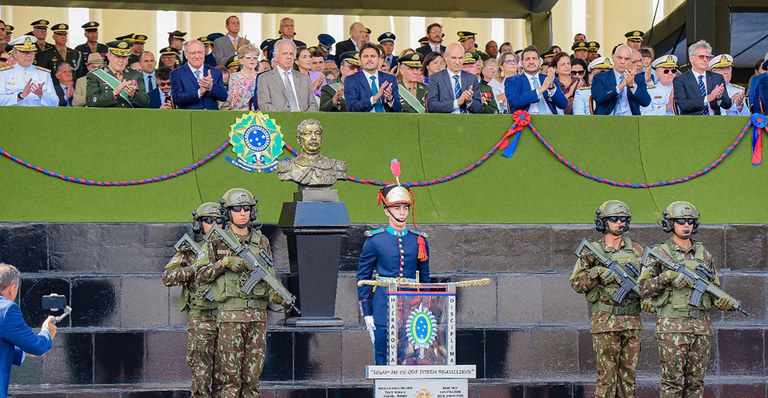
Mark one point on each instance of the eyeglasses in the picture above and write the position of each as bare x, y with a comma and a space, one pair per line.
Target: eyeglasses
489, 68
683, 221
618, 219
511, 62
704, 57
577, 73
164, 84
210, 220
668, 71
249, 56
195, 52
238, 209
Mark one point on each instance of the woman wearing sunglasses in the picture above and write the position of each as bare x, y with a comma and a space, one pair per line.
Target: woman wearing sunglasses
568, 83
662, 94
242, 84
683, 331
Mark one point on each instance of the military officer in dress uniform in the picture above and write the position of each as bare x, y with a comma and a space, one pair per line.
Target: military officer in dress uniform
683, 331
176, 40
662, 94
201, 313
634, 39
25, 84
40, 31
91, 45
723, 64
395, 254
615, 326
580, 50
137, 48
413, 93
116, 85
583, 95
592, 48
387, 40
169, 57
471, 59
467, 40
60, 52
332, 94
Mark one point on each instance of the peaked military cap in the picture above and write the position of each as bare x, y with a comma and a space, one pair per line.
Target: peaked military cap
139, 39
60, 28
90, 25
413, 60
121, 48
580, 45
176, 34
24, 43
387, 36
424, 40
665, 61
325, 39
635, 35
125, 37
721, 61
169, 51
40, 24
351, 57
600, 63
232, 61
471, 57
593, 46
204, 39
549, 53
368, 30
465, 35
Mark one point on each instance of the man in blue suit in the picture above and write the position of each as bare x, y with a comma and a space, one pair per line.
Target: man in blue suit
369, 90
531, 91
626, 97
196, 85
699, 91
760, 103
16, 338
453, 90
160, 97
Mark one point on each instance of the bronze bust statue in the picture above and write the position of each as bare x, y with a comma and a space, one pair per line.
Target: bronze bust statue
311, 169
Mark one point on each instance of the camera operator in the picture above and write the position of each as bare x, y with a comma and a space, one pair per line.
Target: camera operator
16, 338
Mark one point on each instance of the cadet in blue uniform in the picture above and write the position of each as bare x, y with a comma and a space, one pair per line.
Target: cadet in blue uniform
395, 253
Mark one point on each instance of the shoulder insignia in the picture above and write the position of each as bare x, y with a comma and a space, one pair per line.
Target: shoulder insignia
43, 69
420, 233
737, 86
5, 68
372, 232
586, 88
651, 86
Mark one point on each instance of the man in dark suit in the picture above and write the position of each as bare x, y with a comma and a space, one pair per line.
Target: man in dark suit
622, 92
369, 90
64, 84
387, 41
16, 338
354, 43
160, 97
196, 85
761, 91
531, 91
691, 86
435, 37
452, 90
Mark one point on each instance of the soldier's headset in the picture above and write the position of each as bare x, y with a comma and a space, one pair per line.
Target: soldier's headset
254, 213
600, 222
668, 225
197, 226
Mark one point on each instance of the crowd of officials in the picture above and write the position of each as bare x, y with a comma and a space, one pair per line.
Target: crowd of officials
226, 71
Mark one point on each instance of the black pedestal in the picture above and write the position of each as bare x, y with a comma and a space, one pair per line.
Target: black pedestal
314, 231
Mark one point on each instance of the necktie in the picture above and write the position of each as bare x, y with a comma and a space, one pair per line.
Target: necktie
234, 43
620, 101
150, 86
541, 106
374, 90
457, 91
197, 74
291, 95
703, 92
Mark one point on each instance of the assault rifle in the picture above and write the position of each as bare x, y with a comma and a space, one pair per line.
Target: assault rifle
187, 244
627, 274
700, 277
259, 263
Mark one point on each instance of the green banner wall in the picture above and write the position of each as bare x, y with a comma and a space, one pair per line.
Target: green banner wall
531, 187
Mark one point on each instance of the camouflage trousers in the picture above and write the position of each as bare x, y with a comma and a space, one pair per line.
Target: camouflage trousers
241, 351
684, 358
617, 354
201, 350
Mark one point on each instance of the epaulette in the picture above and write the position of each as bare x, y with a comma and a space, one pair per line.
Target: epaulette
420, 233
586, 88
43, 69
650, 86
372, 232
5, 68
737, 86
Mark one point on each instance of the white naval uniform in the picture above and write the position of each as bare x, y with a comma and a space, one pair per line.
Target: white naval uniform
733, 111
581, 101
659, 100
14, 79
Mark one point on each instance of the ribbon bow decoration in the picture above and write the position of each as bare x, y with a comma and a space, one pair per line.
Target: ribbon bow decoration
758, 126
521, 119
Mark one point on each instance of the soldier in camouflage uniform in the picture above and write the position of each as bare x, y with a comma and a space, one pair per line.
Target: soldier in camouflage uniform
615, 327
684, 332
242, 317
201, 313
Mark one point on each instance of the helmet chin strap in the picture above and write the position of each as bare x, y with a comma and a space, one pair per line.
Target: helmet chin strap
393, 216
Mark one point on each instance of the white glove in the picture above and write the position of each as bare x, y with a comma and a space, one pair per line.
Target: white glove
370, 326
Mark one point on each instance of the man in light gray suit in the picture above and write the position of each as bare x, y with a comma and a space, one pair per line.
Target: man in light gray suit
453, 90
227, 45
283, 88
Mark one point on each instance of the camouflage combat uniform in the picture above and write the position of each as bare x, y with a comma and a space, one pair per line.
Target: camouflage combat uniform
201, 320
615, 327
242, 320
684, 332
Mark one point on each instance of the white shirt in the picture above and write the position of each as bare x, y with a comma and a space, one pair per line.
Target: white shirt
622, 103
706, 89
154, 80
378, 84
202, 74
13, 81
456, 108
534, 108
659, 101
435, 47
733, 111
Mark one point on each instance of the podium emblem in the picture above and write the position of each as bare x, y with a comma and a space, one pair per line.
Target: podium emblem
421, 328
423, 394
257, 141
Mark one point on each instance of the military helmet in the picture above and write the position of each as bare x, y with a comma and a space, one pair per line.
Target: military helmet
208, 209
238, 197
681, 209
613, 208
395, 194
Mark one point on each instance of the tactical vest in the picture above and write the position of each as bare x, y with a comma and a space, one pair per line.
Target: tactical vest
195, 301
228, 287
601, 296
674, 302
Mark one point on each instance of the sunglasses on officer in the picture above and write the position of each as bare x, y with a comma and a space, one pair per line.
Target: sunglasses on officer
618, 219
667, 71
238, 209
211, 220
683, 221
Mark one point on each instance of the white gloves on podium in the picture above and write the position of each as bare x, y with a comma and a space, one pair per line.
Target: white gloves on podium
370, 326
